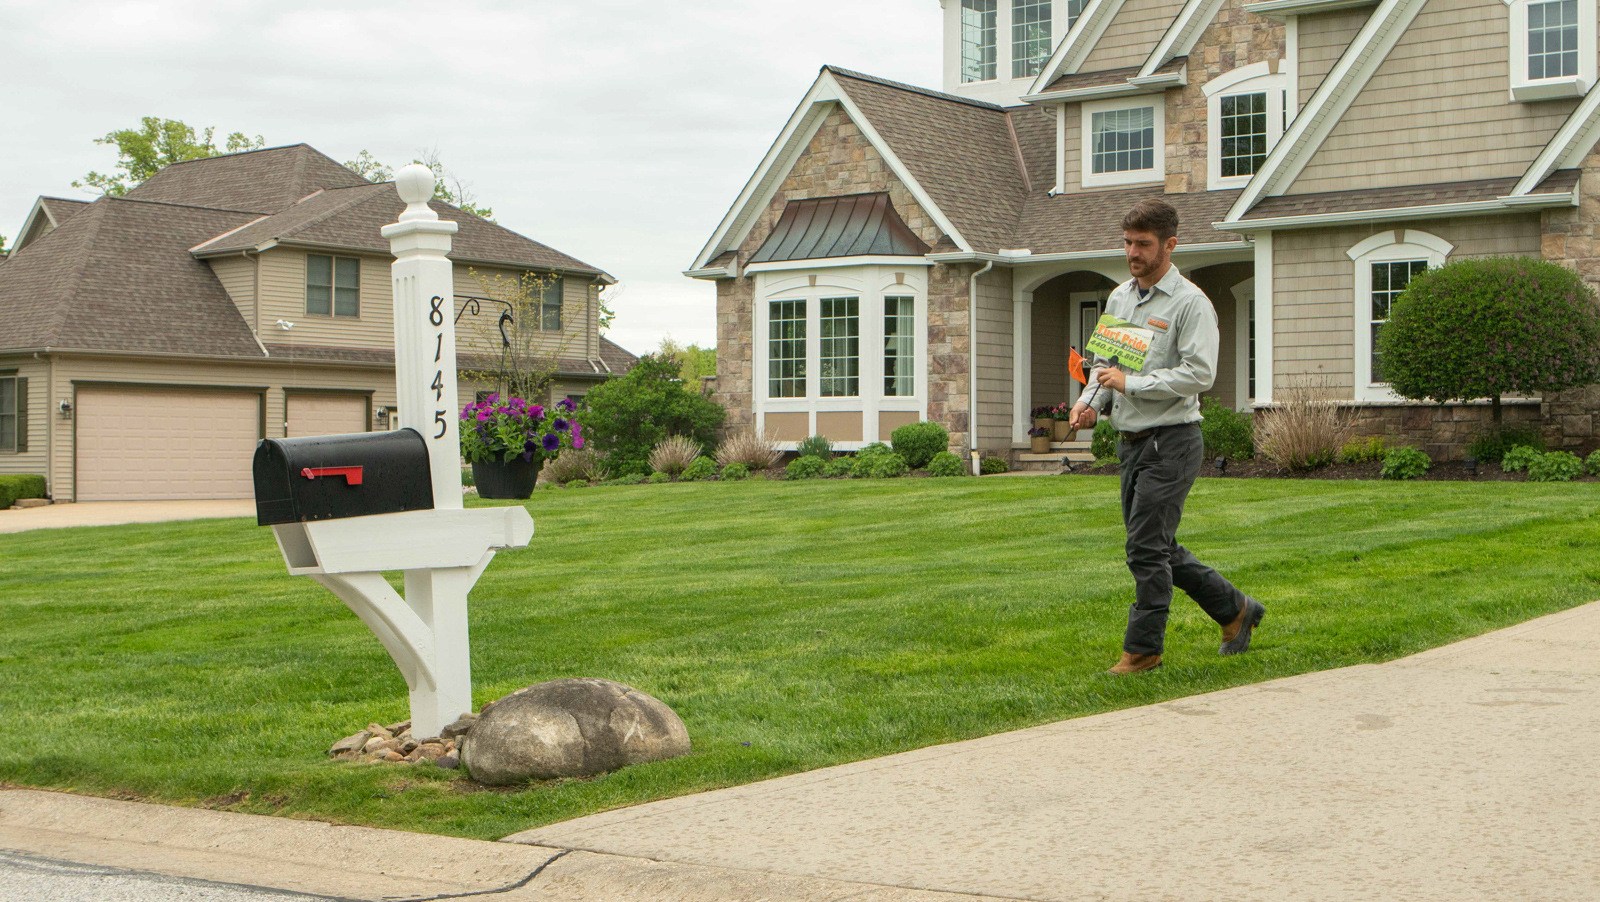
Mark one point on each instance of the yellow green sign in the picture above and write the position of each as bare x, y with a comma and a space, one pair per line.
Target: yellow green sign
1114, 337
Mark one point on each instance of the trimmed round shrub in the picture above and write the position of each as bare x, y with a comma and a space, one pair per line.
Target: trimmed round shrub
1227, 432
1104, 444
1362, 450
658, 477
839, 466
989, 466
1489, 326
945, 464
1405, 463
1519, 458
804, 468
816, 446
917, 443
734, 472
859, 465
1494, 445
1591, 464
702, 468
1555, 466
882, 466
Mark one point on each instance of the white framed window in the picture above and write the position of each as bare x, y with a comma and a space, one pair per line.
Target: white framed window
1074, 9
899, 346
1124, 141
1247, 111
978, 27
786, 349
1384, 264
1552, 48
550, 303
8, 413
333, 286
839, 347
1030, 37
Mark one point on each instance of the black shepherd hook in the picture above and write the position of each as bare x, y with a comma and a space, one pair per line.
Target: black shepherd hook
472, 304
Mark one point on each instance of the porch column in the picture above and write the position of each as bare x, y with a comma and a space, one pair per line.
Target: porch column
1263, 245
1022, 365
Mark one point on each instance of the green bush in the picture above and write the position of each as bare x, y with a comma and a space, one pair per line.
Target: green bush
839, 466
577, 483
14, 488
989, 466
1494, 445
1555, 466
658, 477
1104, 444
878, 464
945, 464
917, 443
1488, 326
466, 476
1227, 432
1405, 463
1591, 464
1362, 450
804, 468
862, 461
816, 446
628, 416
734, 472
702, 468
1518, 458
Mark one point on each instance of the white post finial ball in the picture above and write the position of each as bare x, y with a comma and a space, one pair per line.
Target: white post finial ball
415, 185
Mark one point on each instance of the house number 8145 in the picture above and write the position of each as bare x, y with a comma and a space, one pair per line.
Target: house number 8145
436, 317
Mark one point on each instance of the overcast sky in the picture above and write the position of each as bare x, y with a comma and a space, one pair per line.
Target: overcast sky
617, 131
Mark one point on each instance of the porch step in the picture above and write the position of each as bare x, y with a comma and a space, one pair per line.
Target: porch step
1077, 452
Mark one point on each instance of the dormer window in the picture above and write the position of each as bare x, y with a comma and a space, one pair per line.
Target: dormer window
978, 40
333, 286
1246, 113
1030, 37
1552, 48
1126, 141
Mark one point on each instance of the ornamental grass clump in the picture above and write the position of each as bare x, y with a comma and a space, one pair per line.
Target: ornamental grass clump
747, 447
1306, 429
815, 446
576, 463
1405, 463
673, 454
945, 464
919, 442
1555, 466
702, 468
1519, 458
504, 429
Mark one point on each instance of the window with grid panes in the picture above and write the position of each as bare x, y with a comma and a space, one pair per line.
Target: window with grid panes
786, 349
1124, 140
1030, 36
333, 286
1243, 124
978, 26
899, 347
8, 413
1388, 280
1552, 38
839, 348
550, 305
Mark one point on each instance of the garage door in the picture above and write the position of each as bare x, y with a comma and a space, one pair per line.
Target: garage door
319, 414
150, 444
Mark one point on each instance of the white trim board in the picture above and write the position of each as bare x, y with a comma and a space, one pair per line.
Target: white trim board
1568, 146
1180, 37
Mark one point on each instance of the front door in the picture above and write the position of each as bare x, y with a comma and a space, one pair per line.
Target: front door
1085, 308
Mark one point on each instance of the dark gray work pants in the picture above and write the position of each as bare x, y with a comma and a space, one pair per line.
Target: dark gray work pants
1157, 473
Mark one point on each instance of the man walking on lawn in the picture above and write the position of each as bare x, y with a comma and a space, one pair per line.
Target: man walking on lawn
1157, 412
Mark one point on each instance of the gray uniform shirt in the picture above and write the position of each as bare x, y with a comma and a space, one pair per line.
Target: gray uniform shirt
1181, 362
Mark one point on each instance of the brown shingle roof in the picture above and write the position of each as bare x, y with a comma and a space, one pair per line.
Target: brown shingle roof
351, 218
62, 209
1092, 220
611, 355
259, 181
1404, 196
117, 277
1107, 77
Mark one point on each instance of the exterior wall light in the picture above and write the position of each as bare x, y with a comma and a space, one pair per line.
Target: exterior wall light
66, 409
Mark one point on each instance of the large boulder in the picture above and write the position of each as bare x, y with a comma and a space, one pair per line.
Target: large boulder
570, 728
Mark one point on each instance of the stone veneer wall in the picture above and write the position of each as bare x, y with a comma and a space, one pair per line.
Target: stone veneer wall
1442, 431
1234, 39
735, 332
1572, 238
949, 346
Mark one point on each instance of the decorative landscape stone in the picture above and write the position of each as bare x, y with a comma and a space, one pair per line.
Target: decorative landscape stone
570, 728
395, 744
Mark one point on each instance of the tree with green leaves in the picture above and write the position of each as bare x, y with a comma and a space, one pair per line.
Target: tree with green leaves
154, 145
694, 360
447, 186
626, 417
1491, 326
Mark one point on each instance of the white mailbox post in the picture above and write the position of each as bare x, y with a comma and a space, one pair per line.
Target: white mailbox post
441, 551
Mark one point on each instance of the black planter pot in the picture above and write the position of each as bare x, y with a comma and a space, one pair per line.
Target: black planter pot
506, 479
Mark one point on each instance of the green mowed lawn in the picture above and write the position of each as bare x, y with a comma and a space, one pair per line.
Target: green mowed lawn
791, 625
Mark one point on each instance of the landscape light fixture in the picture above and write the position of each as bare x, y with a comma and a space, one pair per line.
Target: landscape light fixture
1472, 466
1066, 464
1221, 464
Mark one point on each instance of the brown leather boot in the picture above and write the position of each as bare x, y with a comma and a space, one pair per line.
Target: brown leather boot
1135, 664
1236, 635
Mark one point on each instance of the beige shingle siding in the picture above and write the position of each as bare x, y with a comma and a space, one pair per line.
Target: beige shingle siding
1437, 109
1313, 288
1132, 35
994, 359
238, 278
481, 335
1324, 37
39, 410
283, 296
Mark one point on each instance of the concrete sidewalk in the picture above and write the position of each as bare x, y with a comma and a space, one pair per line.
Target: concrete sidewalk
1463, 773
113, 513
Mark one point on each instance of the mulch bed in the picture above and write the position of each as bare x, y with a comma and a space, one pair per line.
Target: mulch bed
1441, 471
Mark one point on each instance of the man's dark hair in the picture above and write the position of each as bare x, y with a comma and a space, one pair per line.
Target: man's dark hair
1152, 215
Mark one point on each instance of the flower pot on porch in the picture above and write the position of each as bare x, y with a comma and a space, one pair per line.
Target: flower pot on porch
1043, 422
1059, 430
1040, 444
506, 479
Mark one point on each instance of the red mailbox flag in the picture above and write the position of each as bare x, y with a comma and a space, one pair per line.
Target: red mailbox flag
1075, 366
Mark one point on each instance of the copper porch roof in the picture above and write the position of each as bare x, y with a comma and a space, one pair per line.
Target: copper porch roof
850, 226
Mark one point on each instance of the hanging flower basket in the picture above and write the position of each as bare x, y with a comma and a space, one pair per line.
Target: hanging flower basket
507, 441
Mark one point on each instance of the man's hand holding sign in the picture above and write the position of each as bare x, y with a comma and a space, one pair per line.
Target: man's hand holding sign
1122, 344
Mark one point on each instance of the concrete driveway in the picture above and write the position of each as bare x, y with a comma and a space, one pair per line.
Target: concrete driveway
111, 513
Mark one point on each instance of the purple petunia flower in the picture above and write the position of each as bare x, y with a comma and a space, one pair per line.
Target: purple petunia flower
536, 412
567, 405
483, 416
551, 441
559, 425
493, 397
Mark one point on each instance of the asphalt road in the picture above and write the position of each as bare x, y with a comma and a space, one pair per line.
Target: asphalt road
26, 877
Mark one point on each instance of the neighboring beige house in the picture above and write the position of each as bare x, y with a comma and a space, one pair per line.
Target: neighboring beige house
147, 342
904, 253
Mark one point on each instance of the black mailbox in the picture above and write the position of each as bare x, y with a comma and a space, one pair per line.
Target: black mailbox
328, 477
